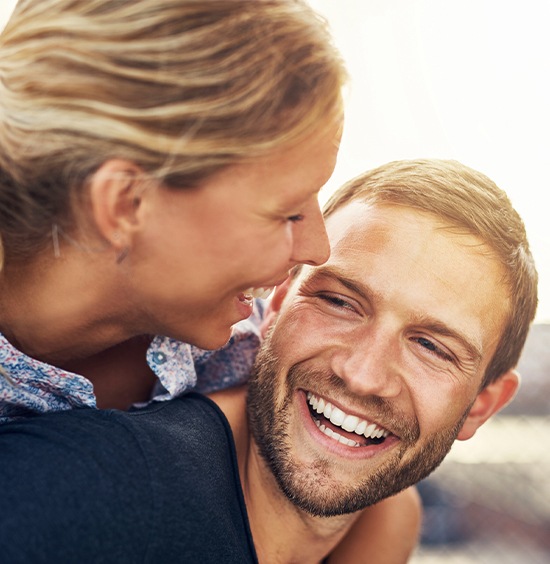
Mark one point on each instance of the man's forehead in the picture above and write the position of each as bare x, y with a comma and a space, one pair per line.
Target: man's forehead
353, 231
376, 218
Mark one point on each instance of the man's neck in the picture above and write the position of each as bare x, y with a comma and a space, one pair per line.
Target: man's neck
282, 533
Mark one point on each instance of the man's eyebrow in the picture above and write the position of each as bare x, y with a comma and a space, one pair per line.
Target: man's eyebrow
430, 324
360, 289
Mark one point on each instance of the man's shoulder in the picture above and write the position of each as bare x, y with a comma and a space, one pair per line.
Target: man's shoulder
232, 402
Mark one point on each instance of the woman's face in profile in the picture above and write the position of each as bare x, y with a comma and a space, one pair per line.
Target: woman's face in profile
205, 249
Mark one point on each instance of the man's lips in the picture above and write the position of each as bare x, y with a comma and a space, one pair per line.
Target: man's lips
343, 427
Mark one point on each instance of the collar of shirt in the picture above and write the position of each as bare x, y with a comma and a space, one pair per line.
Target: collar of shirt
29, 387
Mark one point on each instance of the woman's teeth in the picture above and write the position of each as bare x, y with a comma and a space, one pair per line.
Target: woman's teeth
262, 293
350, 423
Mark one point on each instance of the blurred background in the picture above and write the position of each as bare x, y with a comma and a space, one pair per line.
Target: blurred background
468, 80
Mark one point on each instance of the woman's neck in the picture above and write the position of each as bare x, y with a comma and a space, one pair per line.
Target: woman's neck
120, 374
61, 310
73, 316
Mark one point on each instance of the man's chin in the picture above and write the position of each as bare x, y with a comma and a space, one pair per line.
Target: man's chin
317, 490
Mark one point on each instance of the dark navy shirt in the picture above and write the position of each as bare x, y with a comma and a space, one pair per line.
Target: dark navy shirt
155, 485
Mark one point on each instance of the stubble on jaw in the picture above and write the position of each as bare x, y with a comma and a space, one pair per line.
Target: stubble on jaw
315, 487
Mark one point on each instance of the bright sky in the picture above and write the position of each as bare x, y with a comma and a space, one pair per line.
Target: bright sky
462, 79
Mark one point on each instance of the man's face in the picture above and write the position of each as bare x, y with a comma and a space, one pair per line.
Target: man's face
376, 358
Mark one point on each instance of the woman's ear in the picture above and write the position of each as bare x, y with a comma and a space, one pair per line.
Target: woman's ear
489, 401
115, 193
274, 305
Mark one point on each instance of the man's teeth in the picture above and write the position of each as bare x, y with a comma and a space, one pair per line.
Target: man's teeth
330, 433
262, 293
350, 423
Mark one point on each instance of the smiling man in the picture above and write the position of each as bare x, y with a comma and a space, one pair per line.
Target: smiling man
371, 366
376, 360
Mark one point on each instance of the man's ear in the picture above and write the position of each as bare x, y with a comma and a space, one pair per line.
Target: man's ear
490, 400
274, 305
115, 194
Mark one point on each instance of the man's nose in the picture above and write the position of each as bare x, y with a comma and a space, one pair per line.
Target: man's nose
370, 367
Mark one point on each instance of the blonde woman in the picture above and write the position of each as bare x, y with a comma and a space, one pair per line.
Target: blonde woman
160, 163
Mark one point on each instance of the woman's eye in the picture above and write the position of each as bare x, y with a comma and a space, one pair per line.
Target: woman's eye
295, 218
430, 346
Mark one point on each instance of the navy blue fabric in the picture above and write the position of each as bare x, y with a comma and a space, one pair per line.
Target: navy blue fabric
158, 485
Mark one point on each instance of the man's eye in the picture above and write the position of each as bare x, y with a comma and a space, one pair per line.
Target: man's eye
427, 344
336, 301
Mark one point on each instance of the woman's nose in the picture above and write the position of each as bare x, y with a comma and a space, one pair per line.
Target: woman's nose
310, 242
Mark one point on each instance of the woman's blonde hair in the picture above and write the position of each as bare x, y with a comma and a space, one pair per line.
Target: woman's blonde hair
182, 88
466, 199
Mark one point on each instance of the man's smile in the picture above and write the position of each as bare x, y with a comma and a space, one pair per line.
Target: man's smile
343, 432
347, 429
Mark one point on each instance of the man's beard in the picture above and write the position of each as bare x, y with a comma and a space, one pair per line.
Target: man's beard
316, 487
